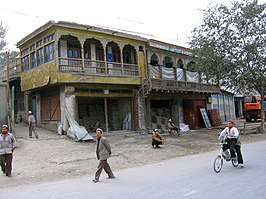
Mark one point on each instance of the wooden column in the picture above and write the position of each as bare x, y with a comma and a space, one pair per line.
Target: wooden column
122, 59
106, 114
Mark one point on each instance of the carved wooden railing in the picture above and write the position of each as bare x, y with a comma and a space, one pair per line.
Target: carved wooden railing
14, 70
74, 65
174, 85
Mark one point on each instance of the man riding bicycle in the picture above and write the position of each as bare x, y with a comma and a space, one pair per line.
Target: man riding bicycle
231, 135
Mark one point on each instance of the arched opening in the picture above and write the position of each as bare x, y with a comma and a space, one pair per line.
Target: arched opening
113, 56
154, 69
180, 64
191, 66
167, 62
94, 56
154, 60
69, 47
113, 52
129, 54
167, 69
93, 50
69, 52
130, 65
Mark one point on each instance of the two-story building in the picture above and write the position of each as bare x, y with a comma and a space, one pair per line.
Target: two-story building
110, 79
172, 89
89, 70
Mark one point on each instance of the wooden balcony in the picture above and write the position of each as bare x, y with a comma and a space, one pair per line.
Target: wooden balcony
182, 86
14, 71
96, 67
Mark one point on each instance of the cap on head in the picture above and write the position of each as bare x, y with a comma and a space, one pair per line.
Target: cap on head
156, 130
4, 126
99, 129
30, 112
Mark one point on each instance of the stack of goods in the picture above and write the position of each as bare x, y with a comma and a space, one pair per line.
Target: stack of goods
114, 120
159, 118
215, 117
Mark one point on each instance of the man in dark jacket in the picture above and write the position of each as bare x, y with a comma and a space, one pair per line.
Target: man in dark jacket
103, 152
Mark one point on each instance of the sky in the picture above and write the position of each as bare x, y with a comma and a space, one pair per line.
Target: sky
169, 20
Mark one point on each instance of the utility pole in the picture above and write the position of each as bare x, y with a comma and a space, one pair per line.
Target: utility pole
13, 111
8, 93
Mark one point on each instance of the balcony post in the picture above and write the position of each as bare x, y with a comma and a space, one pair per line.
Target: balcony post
82, 41
122, 60
105, 61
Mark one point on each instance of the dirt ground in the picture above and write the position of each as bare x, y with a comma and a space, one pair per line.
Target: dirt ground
55, 157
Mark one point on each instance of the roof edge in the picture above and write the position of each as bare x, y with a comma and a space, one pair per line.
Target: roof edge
35, 32
78, 26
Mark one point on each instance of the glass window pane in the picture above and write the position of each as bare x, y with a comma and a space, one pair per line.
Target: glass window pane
70, 53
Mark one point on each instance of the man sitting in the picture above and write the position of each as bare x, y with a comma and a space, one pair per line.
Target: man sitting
172, 128
157, 139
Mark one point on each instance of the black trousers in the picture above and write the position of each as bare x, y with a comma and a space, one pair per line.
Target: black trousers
6, 163
232, 144
156, 143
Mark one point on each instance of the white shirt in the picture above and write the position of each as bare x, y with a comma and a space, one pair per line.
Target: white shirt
232, 133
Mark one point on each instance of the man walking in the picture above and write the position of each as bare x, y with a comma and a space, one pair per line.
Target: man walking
7, 147
103, 152
32, 125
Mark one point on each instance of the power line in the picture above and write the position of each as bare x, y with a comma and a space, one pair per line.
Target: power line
19, 13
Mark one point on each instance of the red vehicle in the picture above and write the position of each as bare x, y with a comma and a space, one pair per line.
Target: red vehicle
252, 107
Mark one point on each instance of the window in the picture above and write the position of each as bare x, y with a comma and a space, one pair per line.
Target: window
49, 52
48, 39
25, 63
39, 57
87, 52
32, 47
33, 60
24, 52
39, 43
70, 53
74, 51
76, 54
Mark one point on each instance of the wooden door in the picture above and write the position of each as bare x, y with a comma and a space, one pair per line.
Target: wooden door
197, 104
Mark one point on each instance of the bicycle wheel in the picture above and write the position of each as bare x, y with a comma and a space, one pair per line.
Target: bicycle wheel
234, 161
218, 164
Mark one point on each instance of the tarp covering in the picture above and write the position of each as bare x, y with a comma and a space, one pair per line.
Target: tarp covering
192, 76
73, 129
180, 74
127, 122
154, 71
168, 73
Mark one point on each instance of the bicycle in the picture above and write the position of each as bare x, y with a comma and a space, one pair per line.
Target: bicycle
223, 155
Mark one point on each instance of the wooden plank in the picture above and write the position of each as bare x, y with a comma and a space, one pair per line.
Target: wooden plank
205, 117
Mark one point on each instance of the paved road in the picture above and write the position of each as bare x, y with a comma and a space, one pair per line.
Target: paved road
189, 177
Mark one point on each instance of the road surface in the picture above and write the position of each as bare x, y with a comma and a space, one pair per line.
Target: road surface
190, 177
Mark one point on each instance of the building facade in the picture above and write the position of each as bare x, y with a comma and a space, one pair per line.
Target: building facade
173, 90
91, 71
109, 79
